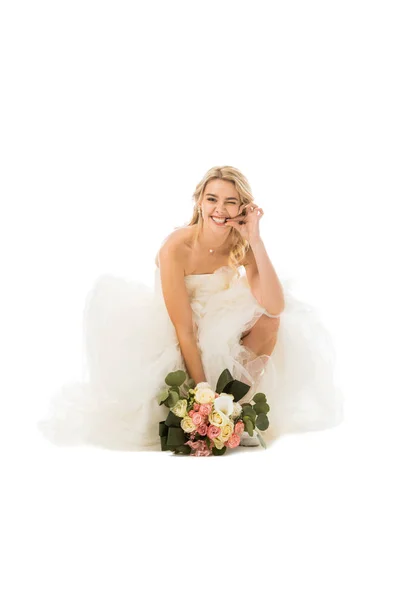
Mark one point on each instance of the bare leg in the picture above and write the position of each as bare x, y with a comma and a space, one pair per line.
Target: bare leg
262, 337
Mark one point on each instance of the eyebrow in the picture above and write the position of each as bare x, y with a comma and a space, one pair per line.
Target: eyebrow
230, 198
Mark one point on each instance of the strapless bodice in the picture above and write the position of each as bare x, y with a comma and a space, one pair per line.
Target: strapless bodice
205, 284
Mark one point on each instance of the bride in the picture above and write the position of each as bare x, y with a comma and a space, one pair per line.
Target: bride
216, 304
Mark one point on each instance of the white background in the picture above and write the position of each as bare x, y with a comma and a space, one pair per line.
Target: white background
111, 113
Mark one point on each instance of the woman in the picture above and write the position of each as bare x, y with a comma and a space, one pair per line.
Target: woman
204, 315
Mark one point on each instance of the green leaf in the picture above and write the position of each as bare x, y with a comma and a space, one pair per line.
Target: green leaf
248, 425
191, 383
223, 380
173, 399
237, 388
162, 396
260, 397
261, 407
218, 452
262, 422
248, 411
174, 388
175, 378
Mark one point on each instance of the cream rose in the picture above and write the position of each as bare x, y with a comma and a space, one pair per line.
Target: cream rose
180, 408
226, 431
218, 418
204, 394
218, 443
187, 425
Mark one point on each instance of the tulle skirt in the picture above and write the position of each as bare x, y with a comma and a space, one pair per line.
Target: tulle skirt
130, 345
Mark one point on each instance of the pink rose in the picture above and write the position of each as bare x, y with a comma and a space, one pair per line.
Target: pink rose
205, 409
191, 413
197, 419
213, 431
200, 448
202, 429
233, 441
193, 444
196, 406
239, 427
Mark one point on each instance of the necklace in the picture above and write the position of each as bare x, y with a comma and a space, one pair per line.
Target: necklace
212, 251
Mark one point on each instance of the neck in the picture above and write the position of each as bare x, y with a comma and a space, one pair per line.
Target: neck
209, 239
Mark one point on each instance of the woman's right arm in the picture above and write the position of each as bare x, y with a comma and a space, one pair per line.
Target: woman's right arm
177, 302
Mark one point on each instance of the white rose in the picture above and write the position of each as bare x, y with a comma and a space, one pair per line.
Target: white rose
237, 410
180, 408
204, 395
201, 385
187, 425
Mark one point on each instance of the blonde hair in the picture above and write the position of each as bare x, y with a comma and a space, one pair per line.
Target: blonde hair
239, 245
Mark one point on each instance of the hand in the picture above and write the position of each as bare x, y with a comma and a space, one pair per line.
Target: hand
249, 227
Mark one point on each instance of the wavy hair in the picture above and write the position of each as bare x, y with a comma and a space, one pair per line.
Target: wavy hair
239, 246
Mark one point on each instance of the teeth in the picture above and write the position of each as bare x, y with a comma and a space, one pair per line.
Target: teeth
218, 220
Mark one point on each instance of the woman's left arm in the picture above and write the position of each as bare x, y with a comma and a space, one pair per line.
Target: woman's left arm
263, 280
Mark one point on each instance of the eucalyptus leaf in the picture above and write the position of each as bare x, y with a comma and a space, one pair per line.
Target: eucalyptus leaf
261, 407
175, 378
162, 396
174, 398
248, 411
262, 422
248, 425
259, 397
175, 388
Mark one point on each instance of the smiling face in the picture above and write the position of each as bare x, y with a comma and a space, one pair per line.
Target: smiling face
220, 200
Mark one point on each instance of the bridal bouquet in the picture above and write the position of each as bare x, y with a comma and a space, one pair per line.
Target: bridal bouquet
202, 421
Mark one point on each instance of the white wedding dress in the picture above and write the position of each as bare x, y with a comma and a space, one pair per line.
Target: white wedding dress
131, 345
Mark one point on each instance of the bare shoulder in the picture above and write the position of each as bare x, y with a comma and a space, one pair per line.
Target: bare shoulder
176, 243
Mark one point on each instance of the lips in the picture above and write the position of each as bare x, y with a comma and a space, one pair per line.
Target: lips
223, 219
